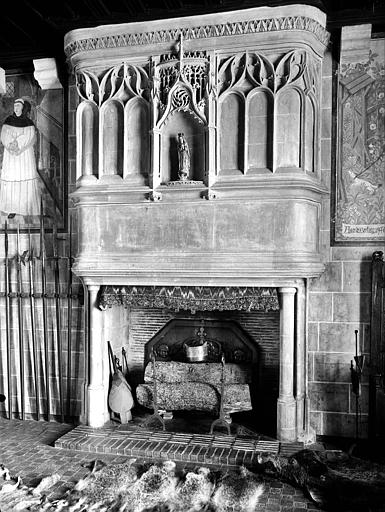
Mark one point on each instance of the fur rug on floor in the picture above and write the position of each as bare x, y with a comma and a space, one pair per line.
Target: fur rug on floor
130, 487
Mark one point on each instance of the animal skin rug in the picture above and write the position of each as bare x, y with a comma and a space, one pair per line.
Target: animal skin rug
129, 487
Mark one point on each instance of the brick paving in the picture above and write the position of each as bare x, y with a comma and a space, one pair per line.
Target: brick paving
27, 449
221, 450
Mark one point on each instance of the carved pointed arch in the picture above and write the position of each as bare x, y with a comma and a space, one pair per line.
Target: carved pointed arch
311, 133
288, 128
87, 135
181, 99
111, 140
136, 162
231, 132
259, 130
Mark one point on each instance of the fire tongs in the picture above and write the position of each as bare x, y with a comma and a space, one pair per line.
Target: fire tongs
155, 415
221, 420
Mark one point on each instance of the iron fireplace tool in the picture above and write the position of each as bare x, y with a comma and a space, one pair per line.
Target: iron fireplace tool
155, 415
356, 374
221, 420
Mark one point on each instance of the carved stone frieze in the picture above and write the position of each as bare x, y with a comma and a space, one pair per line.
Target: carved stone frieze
285, 23
190, 298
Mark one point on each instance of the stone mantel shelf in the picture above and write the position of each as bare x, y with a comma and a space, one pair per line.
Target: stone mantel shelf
271, 187
107, 271
126, 279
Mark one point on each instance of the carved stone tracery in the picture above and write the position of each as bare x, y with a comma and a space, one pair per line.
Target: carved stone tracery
120, 82
245, 71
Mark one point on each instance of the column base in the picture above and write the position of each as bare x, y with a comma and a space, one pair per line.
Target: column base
300, 413
286, 420
87, 179
307, 437
97, 407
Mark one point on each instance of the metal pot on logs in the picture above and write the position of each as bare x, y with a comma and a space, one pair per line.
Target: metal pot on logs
196, 349
195, 353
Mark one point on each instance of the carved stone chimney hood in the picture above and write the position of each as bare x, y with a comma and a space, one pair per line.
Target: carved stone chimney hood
198, 165
244, 88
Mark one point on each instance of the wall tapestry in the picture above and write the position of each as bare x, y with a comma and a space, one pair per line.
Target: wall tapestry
32, 170
360, 192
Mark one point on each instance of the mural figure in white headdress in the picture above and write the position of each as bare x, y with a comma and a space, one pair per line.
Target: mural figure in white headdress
20, 185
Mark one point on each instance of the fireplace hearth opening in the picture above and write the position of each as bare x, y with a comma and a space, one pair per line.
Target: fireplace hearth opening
188, 347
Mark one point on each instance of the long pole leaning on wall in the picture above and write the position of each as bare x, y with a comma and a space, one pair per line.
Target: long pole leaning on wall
20, 320
57, 312
44, 306
69, 318
31, 278
7, 321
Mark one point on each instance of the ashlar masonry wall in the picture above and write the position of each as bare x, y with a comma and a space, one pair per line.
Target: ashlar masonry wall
338, 304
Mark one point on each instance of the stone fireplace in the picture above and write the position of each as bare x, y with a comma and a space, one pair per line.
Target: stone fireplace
235, 207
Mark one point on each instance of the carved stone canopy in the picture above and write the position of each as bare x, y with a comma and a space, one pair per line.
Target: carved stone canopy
244, 87
193, 298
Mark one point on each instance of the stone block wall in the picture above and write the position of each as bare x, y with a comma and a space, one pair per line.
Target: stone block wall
338, 304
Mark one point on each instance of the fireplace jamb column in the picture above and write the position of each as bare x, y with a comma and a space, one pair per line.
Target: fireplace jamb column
97, 406
300, 361
286, 404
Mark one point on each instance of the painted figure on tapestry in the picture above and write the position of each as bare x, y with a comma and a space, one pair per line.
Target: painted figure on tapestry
183, 158
360, 200
20, 188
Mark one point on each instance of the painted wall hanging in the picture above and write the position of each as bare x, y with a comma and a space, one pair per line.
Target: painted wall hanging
32, 170
359, 185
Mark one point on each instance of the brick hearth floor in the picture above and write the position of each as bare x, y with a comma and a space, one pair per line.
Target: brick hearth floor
26, 449
221, 450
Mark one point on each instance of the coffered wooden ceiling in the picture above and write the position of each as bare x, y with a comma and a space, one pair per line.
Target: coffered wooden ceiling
35, 28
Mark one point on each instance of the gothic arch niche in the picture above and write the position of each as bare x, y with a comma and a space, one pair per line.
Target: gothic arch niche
87, 120
194, 131
112, 121
288, 129
231, 134
259, 107
310, 135
136, 141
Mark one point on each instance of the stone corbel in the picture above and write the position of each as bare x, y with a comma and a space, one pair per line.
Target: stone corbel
355, 44
210, 195
155, 196
46, 73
